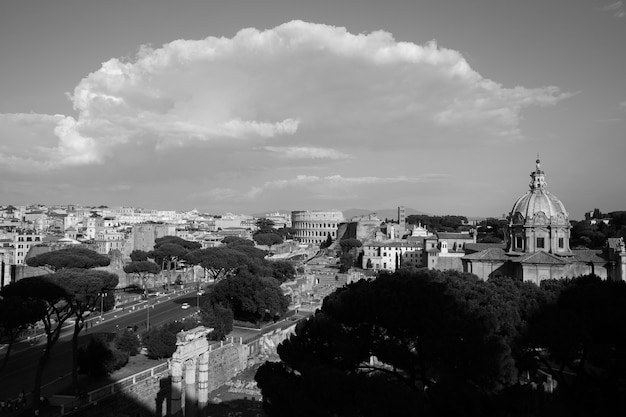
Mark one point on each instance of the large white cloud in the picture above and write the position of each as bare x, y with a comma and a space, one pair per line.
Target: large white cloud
269, 98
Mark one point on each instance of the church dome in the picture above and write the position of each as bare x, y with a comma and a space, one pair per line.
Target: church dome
538, 205
538, 220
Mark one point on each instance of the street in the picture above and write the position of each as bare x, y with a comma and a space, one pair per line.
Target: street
19, 373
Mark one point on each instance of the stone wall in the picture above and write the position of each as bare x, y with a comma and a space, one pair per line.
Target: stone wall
224, 363
449, 262
152, 396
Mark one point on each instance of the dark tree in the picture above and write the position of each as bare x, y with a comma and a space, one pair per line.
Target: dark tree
143, 270
17, 314
175, 240
72, 257
327, 242
348, 244
139, 255
84, 289
234, 241
286, 232
267, 239
585, 345
57, 311
403, 345
283, 271
170, 251
161, 341
265, 225
99, 358
251, 298
346, 261
217, 262
127, 341
217, 317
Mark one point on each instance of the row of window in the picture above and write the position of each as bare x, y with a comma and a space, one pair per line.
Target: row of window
303, 233
29, 239
540, 243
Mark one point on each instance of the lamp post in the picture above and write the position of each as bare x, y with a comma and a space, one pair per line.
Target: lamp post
102, 295
148, 314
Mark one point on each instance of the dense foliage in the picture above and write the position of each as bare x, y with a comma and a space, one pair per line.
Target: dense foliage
217, 317
584, 234
430, 343
143, 270
100, 357
251, 298
439, 223
160, 342
71, 257
491, 230
127, 341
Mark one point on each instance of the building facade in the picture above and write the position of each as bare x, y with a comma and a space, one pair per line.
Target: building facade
537, 243
314, 226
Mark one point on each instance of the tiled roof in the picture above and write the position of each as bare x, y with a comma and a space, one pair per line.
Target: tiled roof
477, 247
490, 254
542, 257
451, 235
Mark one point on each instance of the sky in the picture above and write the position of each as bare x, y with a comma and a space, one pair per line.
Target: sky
250, 106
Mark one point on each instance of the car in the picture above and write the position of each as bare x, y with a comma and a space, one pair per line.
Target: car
185, 306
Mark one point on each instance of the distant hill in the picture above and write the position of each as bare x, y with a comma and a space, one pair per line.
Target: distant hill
381, 213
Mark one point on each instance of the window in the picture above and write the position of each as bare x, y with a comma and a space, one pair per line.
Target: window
561, 243
540, 242
519, 242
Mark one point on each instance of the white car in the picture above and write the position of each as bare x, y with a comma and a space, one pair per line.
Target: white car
185, 306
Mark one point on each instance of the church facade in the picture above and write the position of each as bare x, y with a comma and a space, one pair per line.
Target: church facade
537, 243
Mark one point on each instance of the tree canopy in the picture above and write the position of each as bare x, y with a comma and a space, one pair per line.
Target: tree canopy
349, 244
143, 270
439, 223
84, 291
402, 344
71, 257
233, 241
57, 311
408, 343
250, 298
175, 240
267, 239
217, 262
17, 313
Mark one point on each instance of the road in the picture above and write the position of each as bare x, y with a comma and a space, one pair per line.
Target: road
20, 371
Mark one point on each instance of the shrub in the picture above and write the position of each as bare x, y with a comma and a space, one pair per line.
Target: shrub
127, 341
100, 358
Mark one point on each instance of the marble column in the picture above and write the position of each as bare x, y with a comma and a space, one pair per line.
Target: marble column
191, 399
203, 383
177, 385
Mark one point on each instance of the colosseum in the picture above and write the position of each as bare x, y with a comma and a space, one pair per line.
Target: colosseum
313, 226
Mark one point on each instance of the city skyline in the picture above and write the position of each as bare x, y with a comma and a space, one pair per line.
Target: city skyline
254, 106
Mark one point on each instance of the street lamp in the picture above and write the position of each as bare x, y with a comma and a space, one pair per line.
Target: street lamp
148, 314
102, 295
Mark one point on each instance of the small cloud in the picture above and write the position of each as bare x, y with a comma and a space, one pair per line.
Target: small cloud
616, 9
332, 187
304, 152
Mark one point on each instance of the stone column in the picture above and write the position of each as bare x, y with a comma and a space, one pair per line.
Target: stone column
191, 399
203, 383
622, 265
177, 385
